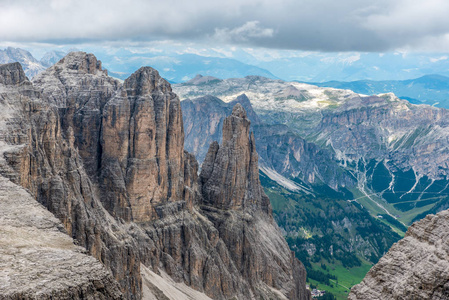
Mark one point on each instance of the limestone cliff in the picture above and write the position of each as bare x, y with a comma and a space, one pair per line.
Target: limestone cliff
142, 145
414, 268
38, 260
107, 160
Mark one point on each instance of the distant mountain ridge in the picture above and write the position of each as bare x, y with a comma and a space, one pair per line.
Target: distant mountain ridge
429, 89
323, 67
181, 67
30, 64
173, 67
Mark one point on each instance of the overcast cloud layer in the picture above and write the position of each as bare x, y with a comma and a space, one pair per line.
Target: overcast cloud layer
322, 25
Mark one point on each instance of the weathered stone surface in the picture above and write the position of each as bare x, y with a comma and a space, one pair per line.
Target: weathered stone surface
231, 193
52, 167
230, 174
38, 260
417, 267
79, 88
107, 159
12, 74
142, 147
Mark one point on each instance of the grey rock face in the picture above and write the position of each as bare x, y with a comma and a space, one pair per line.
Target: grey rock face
230, 175
12, 74
232, 192
414, 268
143, 132
38, 260
107, 160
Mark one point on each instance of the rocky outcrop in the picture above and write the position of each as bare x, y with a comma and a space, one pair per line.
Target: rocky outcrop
12, 74
107, 160
230, 174
414, 268
65, 126
203, 121
38, 260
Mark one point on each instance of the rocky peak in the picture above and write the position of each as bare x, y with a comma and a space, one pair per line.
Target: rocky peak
12, 74
230, 174
143, 144
246, 103
200, 79
236, 127
145, 81
81, 62
232, 192
239, 111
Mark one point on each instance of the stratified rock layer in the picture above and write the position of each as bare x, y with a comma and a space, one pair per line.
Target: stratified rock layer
417, 267
143, 146
38, 260
107, 160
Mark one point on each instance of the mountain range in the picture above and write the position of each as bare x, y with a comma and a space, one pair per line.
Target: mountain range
101, 201
350, 66
391, 166
182, 67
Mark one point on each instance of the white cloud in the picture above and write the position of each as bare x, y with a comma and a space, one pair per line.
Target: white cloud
351, 59
434, 60
244, 33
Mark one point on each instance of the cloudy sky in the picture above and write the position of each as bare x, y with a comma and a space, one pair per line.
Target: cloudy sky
316, 25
